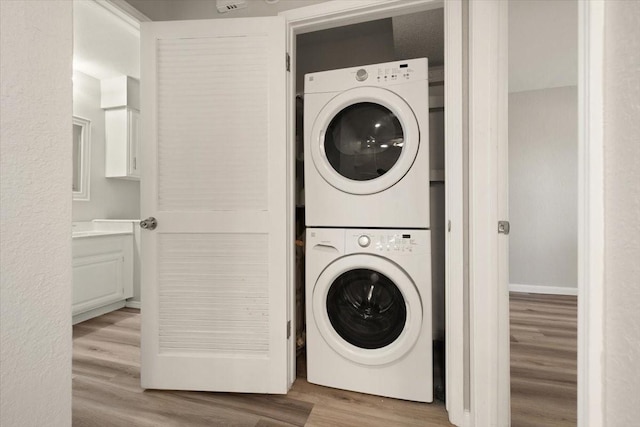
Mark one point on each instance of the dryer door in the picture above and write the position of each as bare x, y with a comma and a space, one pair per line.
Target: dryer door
367, 309
364, 140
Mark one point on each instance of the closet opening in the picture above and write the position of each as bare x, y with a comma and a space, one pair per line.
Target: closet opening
398, 38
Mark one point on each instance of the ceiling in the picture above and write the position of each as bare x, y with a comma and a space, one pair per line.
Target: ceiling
167, 10
103, 44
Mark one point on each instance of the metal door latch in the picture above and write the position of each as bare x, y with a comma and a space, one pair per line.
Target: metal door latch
149, 224
503, 227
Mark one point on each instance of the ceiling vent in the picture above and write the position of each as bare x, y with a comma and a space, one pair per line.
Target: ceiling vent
225, 6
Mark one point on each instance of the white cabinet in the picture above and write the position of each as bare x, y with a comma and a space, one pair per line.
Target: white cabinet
102, 273
121, 101
122, 127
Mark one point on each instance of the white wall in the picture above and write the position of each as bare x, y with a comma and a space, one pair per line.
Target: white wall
543, 183
543, 145
622, 213
104, 45
110, 198
35, 248
543, 44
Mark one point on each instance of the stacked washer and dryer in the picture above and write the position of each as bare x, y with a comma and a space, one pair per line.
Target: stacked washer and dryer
368, 245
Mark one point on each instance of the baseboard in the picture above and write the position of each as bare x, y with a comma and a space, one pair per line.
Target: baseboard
81, 317
541, 289
133, 304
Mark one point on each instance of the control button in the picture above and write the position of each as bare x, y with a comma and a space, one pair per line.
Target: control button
361, 75
364, 241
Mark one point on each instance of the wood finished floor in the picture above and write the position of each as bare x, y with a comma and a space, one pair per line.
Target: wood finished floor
543, 360
106, 382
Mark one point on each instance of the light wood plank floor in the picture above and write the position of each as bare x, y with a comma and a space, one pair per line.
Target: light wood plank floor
106, 377
543, 360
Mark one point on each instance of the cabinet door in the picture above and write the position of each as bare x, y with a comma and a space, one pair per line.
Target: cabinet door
214, 271
133, 143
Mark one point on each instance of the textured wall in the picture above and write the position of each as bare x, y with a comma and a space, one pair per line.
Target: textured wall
622, 212
110, 198
35, 248
543, 184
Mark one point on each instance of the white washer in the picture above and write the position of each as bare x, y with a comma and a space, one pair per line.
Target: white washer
368, 299
366, 152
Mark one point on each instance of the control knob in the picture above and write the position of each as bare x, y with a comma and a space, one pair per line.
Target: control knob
364, 241
361, 75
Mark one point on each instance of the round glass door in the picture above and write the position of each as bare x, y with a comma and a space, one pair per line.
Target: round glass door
364, 140
367, 309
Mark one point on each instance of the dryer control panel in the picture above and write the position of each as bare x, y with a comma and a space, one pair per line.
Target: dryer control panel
385, 74
393, 72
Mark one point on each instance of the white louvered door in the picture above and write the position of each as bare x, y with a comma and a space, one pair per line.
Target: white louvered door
214, 271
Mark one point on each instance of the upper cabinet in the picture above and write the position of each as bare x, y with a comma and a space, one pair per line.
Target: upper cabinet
121, 102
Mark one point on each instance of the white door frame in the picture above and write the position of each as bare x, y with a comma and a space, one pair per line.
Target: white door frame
488, 251
455, 368
338, 13
590, 213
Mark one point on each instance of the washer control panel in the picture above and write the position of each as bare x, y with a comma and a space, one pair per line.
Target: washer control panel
385, 242
364, 241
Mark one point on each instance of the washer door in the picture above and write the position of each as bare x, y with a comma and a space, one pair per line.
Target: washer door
364, 140
367, 309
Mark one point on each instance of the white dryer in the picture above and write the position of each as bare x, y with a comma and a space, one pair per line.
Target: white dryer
368, 299
366, 146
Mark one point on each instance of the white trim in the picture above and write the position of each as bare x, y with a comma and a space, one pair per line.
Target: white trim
133, 304
502, 290
488, 307
454, 238
84, 154
543, 289
590, 213
339, 12
82, 317
125, 12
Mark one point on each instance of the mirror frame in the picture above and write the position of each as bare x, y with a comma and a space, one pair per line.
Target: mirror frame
84, 155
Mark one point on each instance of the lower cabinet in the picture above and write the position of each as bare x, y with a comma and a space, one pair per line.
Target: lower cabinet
102, 274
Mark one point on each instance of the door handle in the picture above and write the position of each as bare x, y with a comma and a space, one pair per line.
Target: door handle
149, 224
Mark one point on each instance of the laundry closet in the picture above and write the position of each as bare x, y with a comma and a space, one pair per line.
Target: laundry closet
392, 40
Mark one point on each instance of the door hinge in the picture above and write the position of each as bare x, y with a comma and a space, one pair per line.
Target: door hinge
288, 329
288, 62
504, 227
449, 226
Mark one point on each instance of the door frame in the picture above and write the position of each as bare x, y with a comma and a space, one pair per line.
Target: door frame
339, 13
488, 293
591, 27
